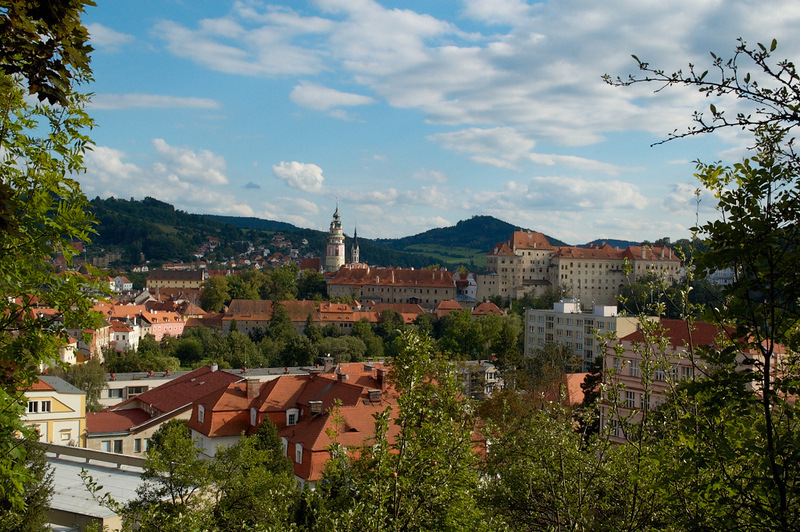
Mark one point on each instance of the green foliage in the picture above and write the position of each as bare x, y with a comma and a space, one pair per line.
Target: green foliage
43, 52
215, 294
36, 493
426, 478
89, 377
312, 286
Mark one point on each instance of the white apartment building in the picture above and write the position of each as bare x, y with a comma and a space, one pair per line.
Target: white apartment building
569, 325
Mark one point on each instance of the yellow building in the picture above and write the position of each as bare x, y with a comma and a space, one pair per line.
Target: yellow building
57, 410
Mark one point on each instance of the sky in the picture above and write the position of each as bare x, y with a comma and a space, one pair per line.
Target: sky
412, 115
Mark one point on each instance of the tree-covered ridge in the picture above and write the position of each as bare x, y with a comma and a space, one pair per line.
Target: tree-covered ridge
163, 234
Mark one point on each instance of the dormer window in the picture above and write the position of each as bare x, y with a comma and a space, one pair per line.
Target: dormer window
292, 416
298, 453
252, 417
201, 413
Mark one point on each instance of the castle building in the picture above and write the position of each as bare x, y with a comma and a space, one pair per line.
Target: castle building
334, 252
594, 275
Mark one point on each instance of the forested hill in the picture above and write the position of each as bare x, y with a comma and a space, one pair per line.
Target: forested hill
479, 232
163, 234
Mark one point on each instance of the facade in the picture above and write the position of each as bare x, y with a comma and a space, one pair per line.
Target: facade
175, 279
625, 371
334, 252
594, 274
568, 325
426, 288
57, 410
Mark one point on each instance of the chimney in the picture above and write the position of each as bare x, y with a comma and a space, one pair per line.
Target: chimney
342, 377
214, 367
381, 378
253, 388
643, 251
662, 252
316, 407
374, 396
327, 362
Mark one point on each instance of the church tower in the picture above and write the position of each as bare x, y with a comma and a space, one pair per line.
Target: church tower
354, 248
334, 253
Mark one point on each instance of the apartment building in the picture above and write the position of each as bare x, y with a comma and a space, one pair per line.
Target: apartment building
569, 325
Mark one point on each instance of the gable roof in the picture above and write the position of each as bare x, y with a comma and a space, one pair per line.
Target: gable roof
679, 333
182, 391
114, 420
529, 240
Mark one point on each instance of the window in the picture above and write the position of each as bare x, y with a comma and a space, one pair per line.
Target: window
33, 407
105, 445
66, 435
630, 400
291, 416
137, 445
284, 445
252, 417
298, 453
118, 446
634, 368
659, 375
201, 413
115, 393
45, 406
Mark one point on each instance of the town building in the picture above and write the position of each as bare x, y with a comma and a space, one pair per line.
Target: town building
426, 288
568, 325
57, 410
181, 279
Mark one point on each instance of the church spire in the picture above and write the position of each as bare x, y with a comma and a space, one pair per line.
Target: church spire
354, 251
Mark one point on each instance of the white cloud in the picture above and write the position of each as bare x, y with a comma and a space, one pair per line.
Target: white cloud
430, 175
154, 101
322, 98
301, 176
684, 197
497, 11
188, 165
103, 37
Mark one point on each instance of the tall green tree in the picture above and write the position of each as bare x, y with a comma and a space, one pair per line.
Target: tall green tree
43, 52
425, 477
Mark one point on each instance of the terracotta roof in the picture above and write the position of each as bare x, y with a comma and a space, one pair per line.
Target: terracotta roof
572, 252
311, 264
393, 277
175, 275
529, 240
114, 420
678, 333
487, 307
40, 386
182, 391
650, 253
501, 248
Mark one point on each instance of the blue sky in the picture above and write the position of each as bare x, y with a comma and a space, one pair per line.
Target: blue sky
414, 114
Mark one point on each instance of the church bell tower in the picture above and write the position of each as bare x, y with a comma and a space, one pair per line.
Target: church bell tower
334, 252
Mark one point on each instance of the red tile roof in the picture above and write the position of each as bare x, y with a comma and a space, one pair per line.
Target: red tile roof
181, 391
529, 240
487, 307
679, 333
40, 386
393, 277
114, 420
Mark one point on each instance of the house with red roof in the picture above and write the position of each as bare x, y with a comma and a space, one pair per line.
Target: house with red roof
426, 288
304, 409
127, 427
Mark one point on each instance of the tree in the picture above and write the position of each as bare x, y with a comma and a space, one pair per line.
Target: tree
215, 294
425, 478
36, 492
254, 486
89, 377
312, 285
43, 51
730, 439
173, 473
461, 337
281, 326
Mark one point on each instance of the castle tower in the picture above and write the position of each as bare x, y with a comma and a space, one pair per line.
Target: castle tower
354, 251
334, 253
